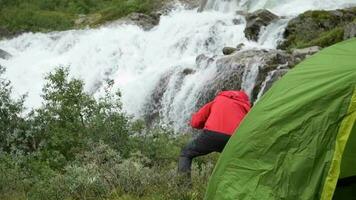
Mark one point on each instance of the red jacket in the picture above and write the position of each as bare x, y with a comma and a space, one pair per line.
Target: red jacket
223, 114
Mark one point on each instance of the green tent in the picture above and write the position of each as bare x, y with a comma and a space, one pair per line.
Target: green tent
299, 139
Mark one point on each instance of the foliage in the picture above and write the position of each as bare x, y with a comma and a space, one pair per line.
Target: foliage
18, 16
321, 28
78, 147
11, 123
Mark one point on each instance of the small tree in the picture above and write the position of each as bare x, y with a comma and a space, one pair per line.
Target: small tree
11, 122
70, 119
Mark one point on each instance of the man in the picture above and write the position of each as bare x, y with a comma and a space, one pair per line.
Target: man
219, 119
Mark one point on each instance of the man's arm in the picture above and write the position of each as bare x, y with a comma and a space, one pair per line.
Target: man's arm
199, 118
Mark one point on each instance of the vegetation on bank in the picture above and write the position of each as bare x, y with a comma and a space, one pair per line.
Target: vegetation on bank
18, 16
318, 28
77, 147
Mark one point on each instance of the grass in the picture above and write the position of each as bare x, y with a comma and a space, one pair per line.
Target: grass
18, 16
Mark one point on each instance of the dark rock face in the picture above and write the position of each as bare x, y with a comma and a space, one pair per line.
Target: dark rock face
240, 46
318, 28
232, 69
202, 5
4, 32
229, 50
271, 77
154, 104
190, 4
237, 21
266, 67
350, 31
202, 61
255, 21
147, 22
301, 54
4, 55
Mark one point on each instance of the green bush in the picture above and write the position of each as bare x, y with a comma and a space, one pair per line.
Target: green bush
11, 123
77, 147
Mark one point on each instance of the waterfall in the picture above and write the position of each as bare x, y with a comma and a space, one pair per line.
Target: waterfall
140, 62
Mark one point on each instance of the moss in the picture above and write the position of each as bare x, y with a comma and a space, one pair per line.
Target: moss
319, 15
317, 28
327, 38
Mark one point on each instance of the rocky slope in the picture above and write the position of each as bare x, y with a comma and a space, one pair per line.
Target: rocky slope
305, 35
320, 28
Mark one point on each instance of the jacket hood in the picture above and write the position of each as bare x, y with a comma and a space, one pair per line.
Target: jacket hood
240, 96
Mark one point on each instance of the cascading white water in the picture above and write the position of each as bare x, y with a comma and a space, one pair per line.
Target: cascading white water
138, 59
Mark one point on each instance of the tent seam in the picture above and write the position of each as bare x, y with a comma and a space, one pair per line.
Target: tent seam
340, 143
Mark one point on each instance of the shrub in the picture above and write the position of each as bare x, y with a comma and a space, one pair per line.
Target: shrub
11, 123
77, 147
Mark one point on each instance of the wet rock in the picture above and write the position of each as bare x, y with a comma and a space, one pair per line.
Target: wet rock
154, 104
173, 78
241, 12
240, 46
237, 21
190, 4
203, 61
202, 5
271, 78
5, 55
255, 21
188, 71
232, 69
350, 31
302, 53
229, 50
4, 32
147, 22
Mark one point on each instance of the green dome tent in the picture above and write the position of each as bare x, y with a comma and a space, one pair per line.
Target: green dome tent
299, 139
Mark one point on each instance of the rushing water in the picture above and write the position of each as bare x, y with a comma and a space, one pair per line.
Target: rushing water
137, 60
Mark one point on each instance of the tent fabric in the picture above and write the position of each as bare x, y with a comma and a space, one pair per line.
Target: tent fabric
341, 140
291, 143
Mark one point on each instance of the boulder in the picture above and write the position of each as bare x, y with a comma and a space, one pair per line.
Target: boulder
256, 20
154, 105
272, 77
188, 71
4, 55
147, 22
229, 50
237, 21
240, 46
302, 53
232, 69
350, 31
318, 28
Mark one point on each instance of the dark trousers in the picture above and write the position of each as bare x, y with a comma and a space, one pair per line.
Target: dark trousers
205, 143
